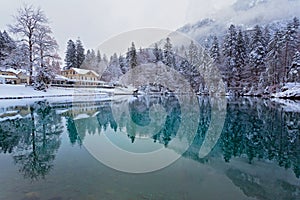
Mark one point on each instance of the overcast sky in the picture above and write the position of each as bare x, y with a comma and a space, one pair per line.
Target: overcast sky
95, 21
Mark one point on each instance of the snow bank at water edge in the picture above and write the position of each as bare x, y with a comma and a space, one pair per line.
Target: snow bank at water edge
289, 91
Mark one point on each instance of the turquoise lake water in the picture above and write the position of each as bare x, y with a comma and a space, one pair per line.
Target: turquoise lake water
149, 147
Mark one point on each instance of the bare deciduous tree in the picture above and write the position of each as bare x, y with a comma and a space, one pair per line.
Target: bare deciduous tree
28, 23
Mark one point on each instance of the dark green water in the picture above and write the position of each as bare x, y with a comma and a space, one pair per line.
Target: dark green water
50, 150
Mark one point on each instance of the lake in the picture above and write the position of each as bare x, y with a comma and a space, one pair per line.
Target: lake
149, 147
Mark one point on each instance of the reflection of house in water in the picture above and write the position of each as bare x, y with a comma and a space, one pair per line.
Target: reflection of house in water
78, 110
14, 112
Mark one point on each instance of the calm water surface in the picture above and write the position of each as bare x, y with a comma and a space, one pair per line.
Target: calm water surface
48, 149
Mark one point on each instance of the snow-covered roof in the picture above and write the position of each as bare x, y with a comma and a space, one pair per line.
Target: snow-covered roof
14, 70
84, 71
60, 78
7, 76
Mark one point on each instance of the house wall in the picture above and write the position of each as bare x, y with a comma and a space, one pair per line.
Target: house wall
21, 78
82, 78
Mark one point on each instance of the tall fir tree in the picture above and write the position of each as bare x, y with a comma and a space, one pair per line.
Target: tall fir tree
240, 59
122, 63
168, 54
291, 42
294, 69
274, 57
132, 56
229, 52
70, 58
7, 48
79, 53
99, 59
257, 54
157, 53
193, 54
215, 51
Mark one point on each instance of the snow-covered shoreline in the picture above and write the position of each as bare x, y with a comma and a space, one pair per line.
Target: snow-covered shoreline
289, 91
27, 92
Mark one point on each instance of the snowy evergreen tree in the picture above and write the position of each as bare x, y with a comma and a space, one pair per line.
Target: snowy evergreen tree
113, 71
294, 69
247, 44
274, 57
123, 64
215, 51
193, 54
7, 48
18, 59
168, 54
291, 42
267, 36
229, 52
240, 58
43, 77
132, 56
258, 53
99, 59
104, 59
193, 61
157, 53
70, 58
90, 61
79, 53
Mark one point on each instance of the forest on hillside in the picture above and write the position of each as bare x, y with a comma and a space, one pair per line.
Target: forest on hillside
256, 61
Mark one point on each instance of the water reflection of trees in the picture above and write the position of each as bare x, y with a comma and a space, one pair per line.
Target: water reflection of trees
33, 140
140, 114
132, 117
254, 128
261, 129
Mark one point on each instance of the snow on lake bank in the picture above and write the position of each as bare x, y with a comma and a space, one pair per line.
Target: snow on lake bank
289, 91
21, 91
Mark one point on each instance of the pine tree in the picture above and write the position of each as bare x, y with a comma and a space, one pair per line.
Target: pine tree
131, 56
2, 53
274, 58
257, 54
98, 56
7, 48
157, 53
79, 53
43, 77
104, 59
193, 54
229, 52
267, 36
294, 69
215, 51
122, 63
240, 58
70, 58
168, 54
193, 61
291, 43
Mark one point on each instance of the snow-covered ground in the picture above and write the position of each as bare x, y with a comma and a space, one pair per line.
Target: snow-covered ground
288, 105
290, 91
21, 91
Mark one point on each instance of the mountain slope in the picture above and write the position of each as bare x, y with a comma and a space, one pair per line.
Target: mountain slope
245, 14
